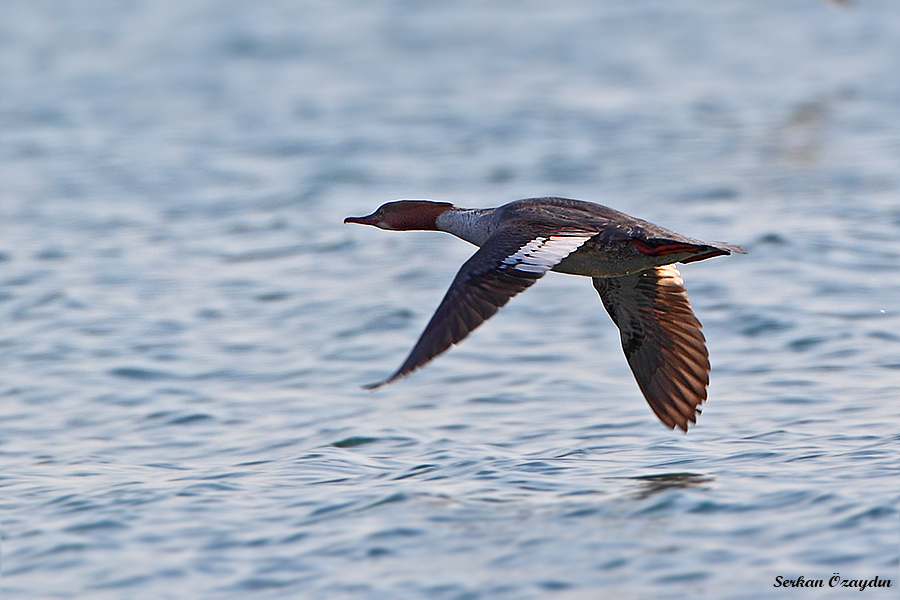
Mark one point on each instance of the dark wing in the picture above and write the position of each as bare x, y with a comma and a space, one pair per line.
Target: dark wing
662, 340
506, 264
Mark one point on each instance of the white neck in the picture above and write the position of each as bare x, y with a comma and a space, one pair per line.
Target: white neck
474, 225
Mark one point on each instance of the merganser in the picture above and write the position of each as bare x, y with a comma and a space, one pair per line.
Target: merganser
630, 261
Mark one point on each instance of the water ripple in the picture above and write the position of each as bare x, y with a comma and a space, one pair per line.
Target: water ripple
187, 320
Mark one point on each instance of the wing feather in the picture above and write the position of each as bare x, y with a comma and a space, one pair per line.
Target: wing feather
507, 264
661, 339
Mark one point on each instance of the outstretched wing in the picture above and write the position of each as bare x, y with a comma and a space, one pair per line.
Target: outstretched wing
662, 340
506, 264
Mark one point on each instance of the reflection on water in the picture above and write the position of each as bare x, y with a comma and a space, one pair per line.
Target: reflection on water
654, 484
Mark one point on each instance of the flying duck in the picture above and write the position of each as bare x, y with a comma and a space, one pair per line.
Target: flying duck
631, 264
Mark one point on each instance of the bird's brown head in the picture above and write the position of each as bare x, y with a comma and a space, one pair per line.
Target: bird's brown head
404, 215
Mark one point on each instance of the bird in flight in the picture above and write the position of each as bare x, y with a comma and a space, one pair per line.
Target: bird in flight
631, 264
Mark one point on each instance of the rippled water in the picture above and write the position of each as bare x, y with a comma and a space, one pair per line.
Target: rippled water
187, 323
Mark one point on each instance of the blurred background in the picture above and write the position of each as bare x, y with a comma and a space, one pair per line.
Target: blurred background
186, 322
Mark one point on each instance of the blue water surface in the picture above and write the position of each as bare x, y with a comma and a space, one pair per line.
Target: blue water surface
186, 322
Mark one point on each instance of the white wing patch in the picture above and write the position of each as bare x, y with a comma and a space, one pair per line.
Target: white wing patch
543, 253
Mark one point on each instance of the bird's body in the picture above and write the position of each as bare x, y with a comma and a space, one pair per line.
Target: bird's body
629, 260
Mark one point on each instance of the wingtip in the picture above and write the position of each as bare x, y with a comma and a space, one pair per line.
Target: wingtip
671, 423
378, 384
